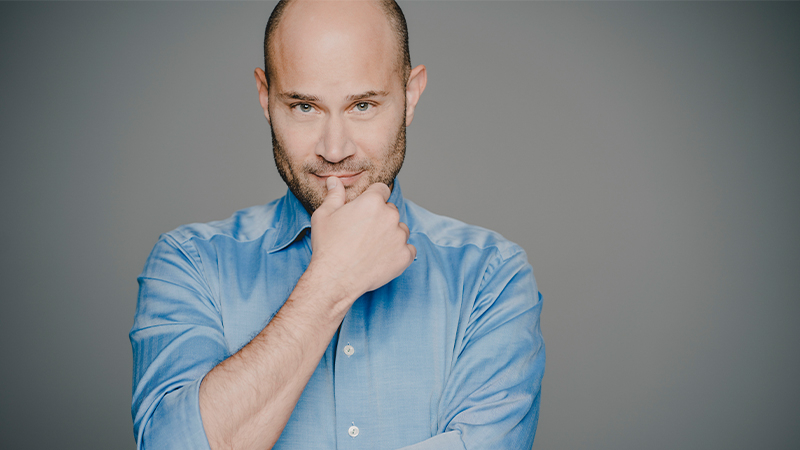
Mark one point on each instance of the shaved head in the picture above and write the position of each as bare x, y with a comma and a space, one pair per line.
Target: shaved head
391, 12
338, 92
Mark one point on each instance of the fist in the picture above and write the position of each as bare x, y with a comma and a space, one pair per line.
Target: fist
359, 246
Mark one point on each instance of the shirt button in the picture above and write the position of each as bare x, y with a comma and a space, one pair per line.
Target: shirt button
353, 431
349, 350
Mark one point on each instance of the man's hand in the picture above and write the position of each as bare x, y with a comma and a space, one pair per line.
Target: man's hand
246, 400
359, 246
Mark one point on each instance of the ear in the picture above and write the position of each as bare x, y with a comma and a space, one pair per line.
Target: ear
263, 90
417, 80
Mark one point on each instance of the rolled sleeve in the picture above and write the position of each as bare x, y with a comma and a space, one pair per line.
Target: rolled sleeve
176, 422
450, 440
176, 339
493, 393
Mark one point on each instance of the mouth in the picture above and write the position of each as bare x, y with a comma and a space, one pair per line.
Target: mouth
347, 179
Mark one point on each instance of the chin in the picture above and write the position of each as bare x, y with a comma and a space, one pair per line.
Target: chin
352, 192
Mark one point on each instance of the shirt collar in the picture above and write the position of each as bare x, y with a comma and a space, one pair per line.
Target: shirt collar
294, 219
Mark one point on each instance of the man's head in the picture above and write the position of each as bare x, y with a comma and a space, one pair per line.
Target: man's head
339, 93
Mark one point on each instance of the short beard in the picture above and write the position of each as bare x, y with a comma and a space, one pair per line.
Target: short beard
310, 198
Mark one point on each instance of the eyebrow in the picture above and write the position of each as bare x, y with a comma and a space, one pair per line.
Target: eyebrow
298, 96
368, 94
350, 98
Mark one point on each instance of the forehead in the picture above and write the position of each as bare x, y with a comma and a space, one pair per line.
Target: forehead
334, 46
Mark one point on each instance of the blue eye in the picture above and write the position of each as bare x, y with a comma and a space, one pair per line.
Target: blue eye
363, 106
304, 107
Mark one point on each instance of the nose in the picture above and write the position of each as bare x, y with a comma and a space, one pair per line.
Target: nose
335, 144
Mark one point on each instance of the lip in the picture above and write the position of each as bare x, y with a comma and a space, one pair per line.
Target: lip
345, 178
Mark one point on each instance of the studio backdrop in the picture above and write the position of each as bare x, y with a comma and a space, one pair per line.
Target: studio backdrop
645, 155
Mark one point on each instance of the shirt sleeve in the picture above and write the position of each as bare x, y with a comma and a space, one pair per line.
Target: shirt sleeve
176, 339
492, 396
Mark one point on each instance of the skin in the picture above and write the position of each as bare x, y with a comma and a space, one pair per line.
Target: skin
338, 105
339, 143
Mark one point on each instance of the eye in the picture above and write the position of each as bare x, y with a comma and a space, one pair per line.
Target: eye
363, 106
304, 107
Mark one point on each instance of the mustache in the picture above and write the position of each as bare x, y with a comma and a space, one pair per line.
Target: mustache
345, 166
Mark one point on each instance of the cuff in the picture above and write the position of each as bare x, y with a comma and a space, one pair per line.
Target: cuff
176, 422
450, 440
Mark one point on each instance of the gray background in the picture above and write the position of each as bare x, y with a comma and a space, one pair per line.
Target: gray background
646, 155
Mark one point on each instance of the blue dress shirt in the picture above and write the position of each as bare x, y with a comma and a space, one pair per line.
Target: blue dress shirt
449, 355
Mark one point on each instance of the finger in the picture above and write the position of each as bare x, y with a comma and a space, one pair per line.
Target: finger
413, 251
381, 189
335, 198
404, 227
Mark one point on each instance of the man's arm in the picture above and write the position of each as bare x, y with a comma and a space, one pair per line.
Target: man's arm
492, 394
246, 400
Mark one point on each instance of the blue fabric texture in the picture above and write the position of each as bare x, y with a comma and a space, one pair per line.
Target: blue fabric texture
449, 355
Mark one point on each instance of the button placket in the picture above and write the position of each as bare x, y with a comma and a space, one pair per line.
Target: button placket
350, 375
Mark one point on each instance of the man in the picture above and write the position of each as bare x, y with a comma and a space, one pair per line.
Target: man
341, 315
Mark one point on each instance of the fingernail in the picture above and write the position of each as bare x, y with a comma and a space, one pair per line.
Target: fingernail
330, 182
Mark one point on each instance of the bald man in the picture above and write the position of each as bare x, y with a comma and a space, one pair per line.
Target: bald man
341, 315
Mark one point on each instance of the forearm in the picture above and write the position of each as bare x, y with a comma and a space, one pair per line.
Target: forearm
246, 400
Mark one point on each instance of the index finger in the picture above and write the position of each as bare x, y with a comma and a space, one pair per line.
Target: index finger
381, 189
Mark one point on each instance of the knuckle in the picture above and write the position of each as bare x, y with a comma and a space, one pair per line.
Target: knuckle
370, 194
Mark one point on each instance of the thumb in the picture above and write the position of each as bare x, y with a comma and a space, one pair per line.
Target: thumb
335, 198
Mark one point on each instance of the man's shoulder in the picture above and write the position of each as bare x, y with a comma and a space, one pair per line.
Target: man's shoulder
447, 232
244, 225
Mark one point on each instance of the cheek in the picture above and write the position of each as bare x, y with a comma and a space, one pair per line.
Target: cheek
298, 141
375, 138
